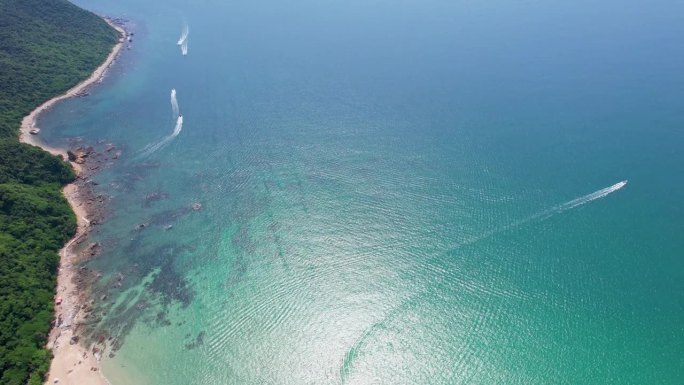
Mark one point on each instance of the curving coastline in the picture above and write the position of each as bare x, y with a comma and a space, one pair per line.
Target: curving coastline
28, 123
72, 363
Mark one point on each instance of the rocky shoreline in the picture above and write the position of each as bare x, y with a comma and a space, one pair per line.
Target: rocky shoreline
77, 353
74, 363
73, 354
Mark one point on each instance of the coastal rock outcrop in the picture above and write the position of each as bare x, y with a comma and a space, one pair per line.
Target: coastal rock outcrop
80, 154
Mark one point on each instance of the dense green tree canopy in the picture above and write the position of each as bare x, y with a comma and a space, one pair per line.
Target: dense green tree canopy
46, 47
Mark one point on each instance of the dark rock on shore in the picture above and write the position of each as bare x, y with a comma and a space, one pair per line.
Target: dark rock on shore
94, 249
80, 154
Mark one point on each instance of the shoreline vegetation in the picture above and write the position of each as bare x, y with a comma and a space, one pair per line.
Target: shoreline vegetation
72, 362
28, 123
49, 47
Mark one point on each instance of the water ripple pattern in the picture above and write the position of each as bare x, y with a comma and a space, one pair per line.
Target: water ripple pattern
389, 193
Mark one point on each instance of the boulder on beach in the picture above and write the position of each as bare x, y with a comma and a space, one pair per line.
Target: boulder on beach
79, 155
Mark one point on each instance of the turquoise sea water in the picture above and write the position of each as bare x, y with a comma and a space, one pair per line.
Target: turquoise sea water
383, 187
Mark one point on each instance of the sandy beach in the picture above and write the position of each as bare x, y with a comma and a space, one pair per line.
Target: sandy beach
28, 123
72, 362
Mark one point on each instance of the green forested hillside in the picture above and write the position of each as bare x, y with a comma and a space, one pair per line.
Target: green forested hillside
46, 47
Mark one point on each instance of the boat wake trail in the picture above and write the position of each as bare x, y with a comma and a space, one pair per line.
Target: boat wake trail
374, 333
184, 34
183, 40
578, 202
174, 104
558, 209
184, 47
154, 147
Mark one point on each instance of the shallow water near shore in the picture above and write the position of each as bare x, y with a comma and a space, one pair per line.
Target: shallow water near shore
389, 193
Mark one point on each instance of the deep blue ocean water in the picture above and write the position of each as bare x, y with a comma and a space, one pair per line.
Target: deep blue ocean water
392, 193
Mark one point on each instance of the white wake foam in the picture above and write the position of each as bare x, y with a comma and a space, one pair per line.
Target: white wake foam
184, 34
184, 47
179, 126
590, 197
574, 203
174, 104
543, 215
154, 147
